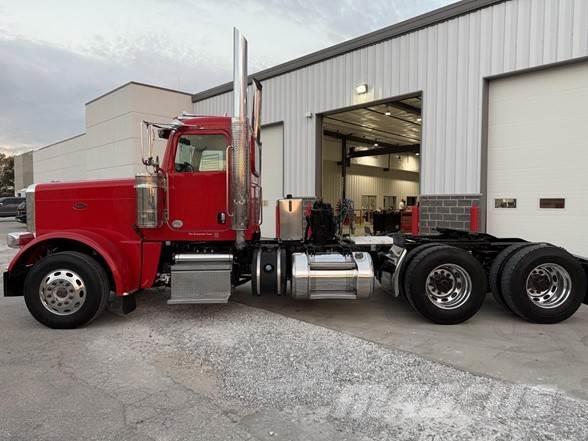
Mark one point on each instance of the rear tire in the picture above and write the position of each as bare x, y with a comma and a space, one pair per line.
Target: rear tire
543, 284
66, 290
409, 258
445, 284
496, 271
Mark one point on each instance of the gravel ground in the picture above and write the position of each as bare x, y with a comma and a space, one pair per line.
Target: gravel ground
236, 372
233, 372
315, 375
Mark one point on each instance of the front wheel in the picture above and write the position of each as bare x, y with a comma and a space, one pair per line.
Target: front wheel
66, 290
445, 284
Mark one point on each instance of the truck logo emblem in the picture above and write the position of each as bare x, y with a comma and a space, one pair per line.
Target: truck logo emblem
79, 206
177, 223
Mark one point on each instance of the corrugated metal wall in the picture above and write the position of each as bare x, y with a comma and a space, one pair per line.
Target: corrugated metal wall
447, 62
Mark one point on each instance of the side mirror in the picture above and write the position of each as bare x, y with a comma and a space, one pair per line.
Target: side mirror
164, 133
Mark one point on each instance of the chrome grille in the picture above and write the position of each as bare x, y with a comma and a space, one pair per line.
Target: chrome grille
30, 204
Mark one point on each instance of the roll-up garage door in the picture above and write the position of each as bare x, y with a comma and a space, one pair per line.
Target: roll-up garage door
538, 157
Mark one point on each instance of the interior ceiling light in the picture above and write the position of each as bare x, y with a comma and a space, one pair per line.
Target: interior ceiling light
388, 113
361, 89
418, 154
376, 144
419, 119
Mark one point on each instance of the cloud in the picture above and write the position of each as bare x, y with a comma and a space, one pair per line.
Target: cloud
54, 57
344, 19
44, 88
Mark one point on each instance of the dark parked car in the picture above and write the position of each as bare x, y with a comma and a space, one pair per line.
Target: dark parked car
8, 206
21, 212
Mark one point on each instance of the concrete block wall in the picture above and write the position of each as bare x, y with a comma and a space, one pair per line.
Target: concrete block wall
446, 211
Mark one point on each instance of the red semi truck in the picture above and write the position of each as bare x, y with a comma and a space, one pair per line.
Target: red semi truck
192, 222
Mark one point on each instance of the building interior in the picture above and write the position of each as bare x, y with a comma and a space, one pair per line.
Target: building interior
371, 165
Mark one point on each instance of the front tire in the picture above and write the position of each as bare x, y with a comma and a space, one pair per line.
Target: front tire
66, 290
445, 284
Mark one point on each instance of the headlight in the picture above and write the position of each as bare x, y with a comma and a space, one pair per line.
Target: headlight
30, 200
20, 239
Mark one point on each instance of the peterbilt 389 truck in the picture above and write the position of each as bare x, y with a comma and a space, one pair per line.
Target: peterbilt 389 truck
192, 222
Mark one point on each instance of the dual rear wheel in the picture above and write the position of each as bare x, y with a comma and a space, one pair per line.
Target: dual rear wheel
445, 284
538, 282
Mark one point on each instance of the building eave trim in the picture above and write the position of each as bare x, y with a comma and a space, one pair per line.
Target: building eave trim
136, 83
58, 142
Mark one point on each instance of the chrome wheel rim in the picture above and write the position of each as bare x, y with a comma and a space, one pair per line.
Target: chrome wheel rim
548, 285
448, 286
62, 292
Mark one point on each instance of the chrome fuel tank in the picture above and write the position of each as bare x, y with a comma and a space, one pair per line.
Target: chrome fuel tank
332, 276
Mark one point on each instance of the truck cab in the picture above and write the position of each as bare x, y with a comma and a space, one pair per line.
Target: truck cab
193, 191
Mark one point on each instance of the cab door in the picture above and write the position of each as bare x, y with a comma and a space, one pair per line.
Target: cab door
198, 186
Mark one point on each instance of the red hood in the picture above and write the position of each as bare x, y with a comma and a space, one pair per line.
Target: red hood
89, 205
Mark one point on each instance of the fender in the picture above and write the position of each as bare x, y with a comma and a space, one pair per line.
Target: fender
123, 257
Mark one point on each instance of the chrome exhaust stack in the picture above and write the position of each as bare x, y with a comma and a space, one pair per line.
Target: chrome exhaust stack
256, 113
239, 171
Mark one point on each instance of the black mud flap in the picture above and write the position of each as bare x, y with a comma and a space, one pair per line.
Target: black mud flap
122, 305
12, 285
584, 264
129, 304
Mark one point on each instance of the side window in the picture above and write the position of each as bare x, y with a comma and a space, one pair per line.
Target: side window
199, 153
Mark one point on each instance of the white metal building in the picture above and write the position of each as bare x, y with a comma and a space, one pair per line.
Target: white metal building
504, 90
481, 102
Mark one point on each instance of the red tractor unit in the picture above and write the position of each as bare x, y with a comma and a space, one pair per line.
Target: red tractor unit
192, 222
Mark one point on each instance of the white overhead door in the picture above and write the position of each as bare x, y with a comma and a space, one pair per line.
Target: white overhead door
272, 175
538, 157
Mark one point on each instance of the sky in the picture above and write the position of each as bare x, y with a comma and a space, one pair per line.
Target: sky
55, 55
